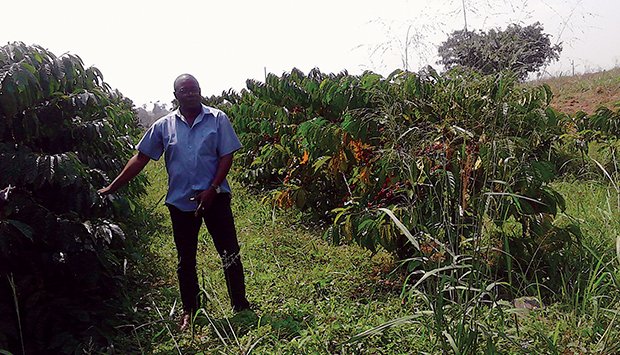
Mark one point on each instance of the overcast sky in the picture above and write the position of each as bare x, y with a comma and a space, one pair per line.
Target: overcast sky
141, 46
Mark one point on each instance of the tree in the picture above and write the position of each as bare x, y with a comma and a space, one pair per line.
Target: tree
147, 117
522, 50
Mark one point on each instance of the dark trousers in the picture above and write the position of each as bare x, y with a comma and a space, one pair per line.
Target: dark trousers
220, 223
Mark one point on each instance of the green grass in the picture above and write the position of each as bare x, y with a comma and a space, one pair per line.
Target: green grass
314, 298
311, 297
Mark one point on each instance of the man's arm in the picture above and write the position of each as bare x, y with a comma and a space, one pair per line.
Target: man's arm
133, 167
223, 167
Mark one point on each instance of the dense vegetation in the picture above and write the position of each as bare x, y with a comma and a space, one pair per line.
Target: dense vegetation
314, 298
62, 249
453, 157
453, 173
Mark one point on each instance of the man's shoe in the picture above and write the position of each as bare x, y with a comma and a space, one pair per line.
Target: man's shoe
186, 321
247, 306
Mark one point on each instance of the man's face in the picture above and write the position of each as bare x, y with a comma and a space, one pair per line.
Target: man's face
187, 92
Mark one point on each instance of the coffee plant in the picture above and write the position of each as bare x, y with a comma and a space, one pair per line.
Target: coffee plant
431, 167
603, 128
63, 131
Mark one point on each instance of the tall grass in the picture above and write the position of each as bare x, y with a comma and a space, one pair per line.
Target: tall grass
310, 296
548, 265
464, 314
318, 299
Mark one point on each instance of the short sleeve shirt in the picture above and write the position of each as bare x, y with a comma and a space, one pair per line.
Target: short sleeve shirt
191, 153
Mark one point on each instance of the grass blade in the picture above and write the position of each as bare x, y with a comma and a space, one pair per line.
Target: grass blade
618, 247
438, 270
392, 323
402, 227
19, 322
452, 342
606, 174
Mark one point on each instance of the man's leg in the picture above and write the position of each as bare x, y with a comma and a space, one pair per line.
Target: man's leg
221, 225
185, 228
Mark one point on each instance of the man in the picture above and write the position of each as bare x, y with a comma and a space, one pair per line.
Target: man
198, 143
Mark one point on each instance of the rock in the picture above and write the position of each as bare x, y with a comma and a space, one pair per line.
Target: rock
528, 303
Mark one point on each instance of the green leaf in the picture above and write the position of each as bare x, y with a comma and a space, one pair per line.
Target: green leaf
29, 67
25, 229
365, 225
434, 272
543, 170
300, 198
320, 162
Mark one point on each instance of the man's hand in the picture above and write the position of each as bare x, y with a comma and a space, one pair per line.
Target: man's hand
205, 199
105, 191
133, 167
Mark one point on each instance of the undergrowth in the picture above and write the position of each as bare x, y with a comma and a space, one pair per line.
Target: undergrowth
310, 297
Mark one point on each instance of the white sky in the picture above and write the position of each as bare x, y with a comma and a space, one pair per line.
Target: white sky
141, 46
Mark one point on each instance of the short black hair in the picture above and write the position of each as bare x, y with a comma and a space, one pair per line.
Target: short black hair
184, 77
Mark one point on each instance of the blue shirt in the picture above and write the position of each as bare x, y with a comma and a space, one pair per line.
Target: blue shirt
191, 153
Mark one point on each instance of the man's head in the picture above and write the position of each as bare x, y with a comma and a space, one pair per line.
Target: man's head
187, 91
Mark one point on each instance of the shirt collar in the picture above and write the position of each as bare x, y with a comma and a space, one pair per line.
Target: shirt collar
205, 111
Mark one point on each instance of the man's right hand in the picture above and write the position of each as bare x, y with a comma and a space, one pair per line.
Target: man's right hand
105, 191
131, 169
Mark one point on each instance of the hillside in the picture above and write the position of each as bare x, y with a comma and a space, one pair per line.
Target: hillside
585, 92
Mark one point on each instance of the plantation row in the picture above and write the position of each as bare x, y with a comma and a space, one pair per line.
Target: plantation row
431, 167
450, 172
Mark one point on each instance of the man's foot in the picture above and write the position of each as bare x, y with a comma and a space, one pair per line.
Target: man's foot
246, 306
186, 321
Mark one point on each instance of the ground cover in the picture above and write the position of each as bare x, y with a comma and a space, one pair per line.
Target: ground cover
314, 298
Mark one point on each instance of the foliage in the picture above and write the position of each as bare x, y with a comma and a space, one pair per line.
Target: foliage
453, 173
449, 172
272, 120
605, 123
463, 162
522, 50
62, 131
147, 117
590, 145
